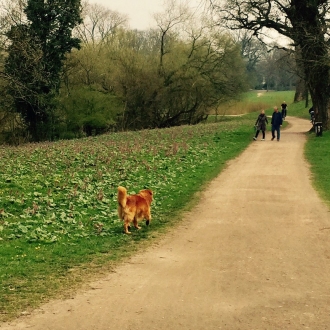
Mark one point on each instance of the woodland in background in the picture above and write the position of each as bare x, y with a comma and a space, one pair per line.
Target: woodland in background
70, 70
304, 23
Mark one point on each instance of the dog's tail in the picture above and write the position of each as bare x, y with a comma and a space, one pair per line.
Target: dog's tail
122, 196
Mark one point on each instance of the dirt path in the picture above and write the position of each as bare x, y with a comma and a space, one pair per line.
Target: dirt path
253, 254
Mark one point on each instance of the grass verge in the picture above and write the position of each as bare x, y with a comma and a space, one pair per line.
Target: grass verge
317, 154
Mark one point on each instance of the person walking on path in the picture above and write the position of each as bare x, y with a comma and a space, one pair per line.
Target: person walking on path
276, 124
284, 109
261, 125
311, 113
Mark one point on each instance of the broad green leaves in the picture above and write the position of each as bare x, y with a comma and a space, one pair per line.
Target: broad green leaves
68, 189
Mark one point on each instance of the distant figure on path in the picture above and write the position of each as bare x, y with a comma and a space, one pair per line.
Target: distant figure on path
311, 113
261, 125
276, 124
284, 107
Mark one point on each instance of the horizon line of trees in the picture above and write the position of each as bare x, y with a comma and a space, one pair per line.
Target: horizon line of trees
70, 70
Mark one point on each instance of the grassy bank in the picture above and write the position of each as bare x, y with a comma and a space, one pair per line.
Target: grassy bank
254, 101
58, 218
317, 154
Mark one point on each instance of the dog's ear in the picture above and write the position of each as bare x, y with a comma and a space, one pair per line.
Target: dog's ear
149, 191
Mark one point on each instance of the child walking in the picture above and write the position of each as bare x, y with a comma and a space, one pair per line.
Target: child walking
261, 125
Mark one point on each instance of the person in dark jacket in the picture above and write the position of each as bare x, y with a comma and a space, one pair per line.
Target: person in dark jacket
311, 113
284, 108
261, 125
276, 124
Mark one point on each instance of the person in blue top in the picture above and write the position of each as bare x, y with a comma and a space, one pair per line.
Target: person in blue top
276, 124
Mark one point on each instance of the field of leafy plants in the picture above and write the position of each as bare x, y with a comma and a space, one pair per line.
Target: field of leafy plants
67, 190
58, 208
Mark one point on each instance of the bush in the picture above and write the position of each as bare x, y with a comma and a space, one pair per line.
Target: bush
86, 112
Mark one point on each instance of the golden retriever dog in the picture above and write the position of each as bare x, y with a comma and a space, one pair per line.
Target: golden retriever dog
133, 208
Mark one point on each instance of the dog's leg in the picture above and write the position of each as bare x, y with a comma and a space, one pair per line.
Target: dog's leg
135, 222
126, 225
148, 219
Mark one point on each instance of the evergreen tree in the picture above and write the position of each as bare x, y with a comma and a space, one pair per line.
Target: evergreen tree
35, 60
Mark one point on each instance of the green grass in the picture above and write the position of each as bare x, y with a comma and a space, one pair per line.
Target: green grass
254, 101
317, 154
299, 110
58, 209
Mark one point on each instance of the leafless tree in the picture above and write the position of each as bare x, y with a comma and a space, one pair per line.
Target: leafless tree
99, 23
169, 22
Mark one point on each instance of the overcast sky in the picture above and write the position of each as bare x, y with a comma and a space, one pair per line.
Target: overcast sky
139, 11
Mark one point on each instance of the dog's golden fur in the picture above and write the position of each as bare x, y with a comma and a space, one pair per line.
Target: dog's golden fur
133, 208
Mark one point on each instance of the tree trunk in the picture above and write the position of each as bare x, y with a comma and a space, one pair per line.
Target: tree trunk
319, 91
317, 79
314, 55
301, 81
300, 93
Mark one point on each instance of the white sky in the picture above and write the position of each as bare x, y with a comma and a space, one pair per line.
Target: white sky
139, 11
